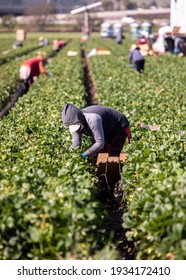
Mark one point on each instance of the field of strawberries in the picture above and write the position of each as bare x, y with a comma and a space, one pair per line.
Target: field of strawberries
50, 207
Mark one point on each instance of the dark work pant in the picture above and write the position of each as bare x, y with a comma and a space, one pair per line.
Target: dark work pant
28, 82
139, 65
114, 147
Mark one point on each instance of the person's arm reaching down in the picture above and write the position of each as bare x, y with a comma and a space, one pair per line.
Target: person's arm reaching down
95, 124
76, 140
41, 68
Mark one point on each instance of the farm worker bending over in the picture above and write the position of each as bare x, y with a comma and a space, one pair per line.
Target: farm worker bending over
136, 58
107, 127
31, 69
58, 45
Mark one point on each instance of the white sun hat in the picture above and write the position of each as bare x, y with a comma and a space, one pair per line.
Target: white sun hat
74, 127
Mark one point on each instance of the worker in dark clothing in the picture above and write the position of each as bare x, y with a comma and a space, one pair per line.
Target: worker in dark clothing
107, 127
179, 46
136, 59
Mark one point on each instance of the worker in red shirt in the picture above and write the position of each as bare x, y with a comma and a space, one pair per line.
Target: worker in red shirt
58, 45
61, 44
31, 69
142, 41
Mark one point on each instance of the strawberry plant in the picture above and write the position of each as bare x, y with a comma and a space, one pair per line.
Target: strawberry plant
154, 176
49, 209
48, 199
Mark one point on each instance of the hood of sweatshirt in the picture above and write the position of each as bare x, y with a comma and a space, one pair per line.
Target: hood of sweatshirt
72, 115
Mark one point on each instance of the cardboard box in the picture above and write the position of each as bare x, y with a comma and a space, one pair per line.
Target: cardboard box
20, 35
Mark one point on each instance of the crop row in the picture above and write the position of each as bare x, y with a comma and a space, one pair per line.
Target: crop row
9, 75
7, 52
11, 53
154, 176
48, 199
48, 208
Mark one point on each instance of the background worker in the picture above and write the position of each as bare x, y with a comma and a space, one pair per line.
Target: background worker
143, 44
58, 45
119, 37
31, 69
179, 46
136, 59
43, 42
107, 127
17, 44
142, 40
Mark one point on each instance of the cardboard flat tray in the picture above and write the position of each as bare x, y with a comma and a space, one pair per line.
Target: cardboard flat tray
104, 157
110, 167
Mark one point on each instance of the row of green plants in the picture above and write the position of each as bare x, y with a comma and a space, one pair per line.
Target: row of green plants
31, 41
9, 75
8, 53
154, 177
49, 208
10, 61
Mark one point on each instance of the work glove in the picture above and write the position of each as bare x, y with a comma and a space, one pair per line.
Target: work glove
49, 75
84, 155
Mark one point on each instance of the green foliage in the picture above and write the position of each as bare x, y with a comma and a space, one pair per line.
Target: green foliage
48, 199
154, 176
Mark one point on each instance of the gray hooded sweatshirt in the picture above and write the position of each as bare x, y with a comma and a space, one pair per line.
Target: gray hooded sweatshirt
100, 122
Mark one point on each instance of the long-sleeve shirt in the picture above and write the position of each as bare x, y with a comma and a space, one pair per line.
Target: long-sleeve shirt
135, 55
100, 122
94, 122
36, 65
